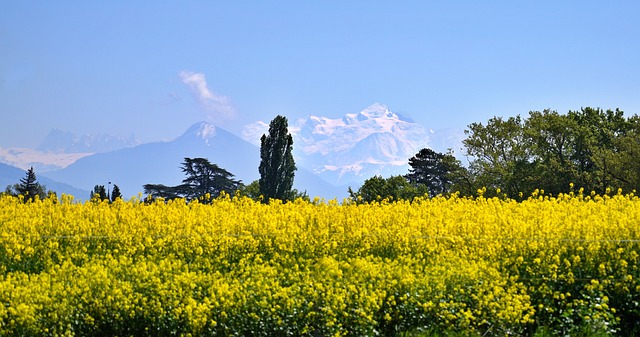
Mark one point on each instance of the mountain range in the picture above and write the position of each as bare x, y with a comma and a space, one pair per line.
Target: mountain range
331, 154
159, 163
374, 141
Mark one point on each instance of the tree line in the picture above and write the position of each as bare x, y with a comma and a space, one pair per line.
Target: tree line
28, 188
590, 149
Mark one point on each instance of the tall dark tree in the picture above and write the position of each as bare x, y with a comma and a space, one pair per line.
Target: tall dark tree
115, 193
99, 193
29, 187
437, 171
277, 167
204, 178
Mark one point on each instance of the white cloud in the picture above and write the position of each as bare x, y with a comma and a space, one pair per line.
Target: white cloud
218, 108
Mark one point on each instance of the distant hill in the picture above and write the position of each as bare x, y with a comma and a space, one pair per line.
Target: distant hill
159, 163
10, 175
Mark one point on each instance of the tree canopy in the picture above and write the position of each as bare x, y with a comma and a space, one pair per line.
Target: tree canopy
378, 188
436, 171
593, 149
202, 178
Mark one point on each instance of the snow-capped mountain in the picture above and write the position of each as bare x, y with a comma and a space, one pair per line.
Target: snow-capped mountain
25, 158
330, 153
60, 149
63, 141
374, 141
159, 163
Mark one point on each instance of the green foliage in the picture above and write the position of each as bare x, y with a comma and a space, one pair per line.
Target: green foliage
378, 188
99, 193
251, 190
115, 193
500, 155
204, 181
205, 178
28, 187
277, 166
437, 171
593, 149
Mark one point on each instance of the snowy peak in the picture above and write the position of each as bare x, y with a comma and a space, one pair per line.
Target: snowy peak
324, 135
359, 144
374, 111
378, 114
201, 131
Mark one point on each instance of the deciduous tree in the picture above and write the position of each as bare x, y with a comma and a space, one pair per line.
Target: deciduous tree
395, 187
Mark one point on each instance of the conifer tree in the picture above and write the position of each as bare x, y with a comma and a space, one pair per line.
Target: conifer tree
29, 186
99, 193
277, 167
115, 194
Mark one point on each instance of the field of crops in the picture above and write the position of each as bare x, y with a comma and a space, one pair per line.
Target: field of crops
559, 265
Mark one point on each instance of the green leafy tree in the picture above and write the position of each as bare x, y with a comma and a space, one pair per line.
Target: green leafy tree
591, 148
277, 167
437, 171
205, 178
251, 190
552, 138
378, 188
500, 156
597, 138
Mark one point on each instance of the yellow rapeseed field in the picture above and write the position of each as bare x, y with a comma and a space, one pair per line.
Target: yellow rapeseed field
236, 267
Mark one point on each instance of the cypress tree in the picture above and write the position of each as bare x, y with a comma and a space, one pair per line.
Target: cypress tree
277, 167
115, 194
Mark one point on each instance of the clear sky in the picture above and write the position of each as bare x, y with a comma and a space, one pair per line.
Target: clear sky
153, 68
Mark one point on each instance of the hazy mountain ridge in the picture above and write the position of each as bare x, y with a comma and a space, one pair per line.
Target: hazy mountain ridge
10, 175
331, 154
159, 163
68, 142
25, 158
60, 149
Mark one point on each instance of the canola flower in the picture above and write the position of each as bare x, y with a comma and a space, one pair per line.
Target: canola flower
484, 266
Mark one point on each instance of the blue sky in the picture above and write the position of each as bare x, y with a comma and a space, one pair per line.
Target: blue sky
153, 68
